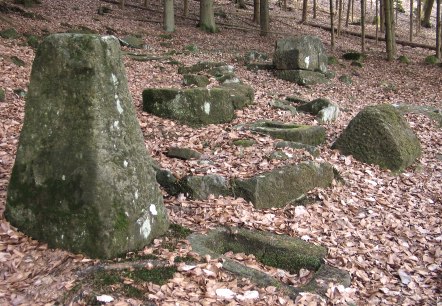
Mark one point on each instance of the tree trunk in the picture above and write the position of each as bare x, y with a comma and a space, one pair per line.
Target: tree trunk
256, 17
438, 34
264, 16
389, 30
382, 16
332, 28
419, 16
304, 11
362, 26
352, 10
428, 7
314, 9
145, 3
377, 22
348, 13
411, 20
185, 8
207, 18
122, 4
242, 4
168, 16
339, 17
284, 5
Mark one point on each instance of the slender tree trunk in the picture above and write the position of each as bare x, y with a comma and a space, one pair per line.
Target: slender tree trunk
256, 13
168, 16
347, 19
411, 20
207, 17
122, 2
145, 3
242, 4
284, 5
186, 8
382, 16
314, 9
438, 30
362, 26
339, 17
428, 7
304, 11
332, 23
419, 16
389, 30
264, 17
352, 10
377, 22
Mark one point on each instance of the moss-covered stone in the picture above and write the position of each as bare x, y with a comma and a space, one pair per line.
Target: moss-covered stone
302, 77
199, 67
195, 79
2, 95
296, 99
168, 181
32, 41
241, 95
183, 153
314, 106
432, 60
246, 142
194, 106
284, 105
311, 135
17, 61
380, 135
404, 59
9, 33
354, 56
346, 79
133, 41
82, 177
332, 60
201, 187
283, 185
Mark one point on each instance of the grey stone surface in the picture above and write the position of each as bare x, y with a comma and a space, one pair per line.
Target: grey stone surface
302, 77
82, 179
380, 135
283, 185
302, 52
201, 187
183, 153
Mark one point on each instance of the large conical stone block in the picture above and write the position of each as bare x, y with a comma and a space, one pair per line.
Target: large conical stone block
82, 180
380, 135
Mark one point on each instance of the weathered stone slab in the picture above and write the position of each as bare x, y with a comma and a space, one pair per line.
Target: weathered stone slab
302, 52
380, 135
302, 77
194, 106
241, 95
201, 187
196, 79
183, 153
306, 134
323, 108
82, 179
283, 185
280, 251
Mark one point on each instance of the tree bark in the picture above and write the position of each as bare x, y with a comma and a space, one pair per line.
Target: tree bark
256, 17
438, 30
264, 17
339, 17
389, 30
168, 16
122, 4
382, 16
419, 16
314, 9
377, 22
347, 19
411, 20
304, 11
332, 28
207, 17
145, 3
362, 26
185, 8
428, 7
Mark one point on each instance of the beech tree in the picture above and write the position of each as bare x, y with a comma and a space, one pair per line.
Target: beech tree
122, 2
304, 11
256, 13
168, 16
332, 28
185, 8
428, 7
264, 16
207, 17
363, 25
390, 39
438, 30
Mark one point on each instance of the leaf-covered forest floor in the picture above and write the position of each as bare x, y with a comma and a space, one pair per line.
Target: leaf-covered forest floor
384, 229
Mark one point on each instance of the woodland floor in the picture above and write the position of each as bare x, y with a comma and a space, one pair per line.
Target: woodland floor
385, 229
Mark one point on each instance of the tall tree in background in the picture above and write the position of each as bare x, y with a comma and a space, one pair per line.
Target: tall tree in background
207, 17
382, 16
122, 2
339, 17
419, 16
389, 30
363, 26
332, 27
411, 20
428, 7
304, 11
348, 13
438, 30
314, 9
264, 16
256, 13
145, 3
185, 8
168, 16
